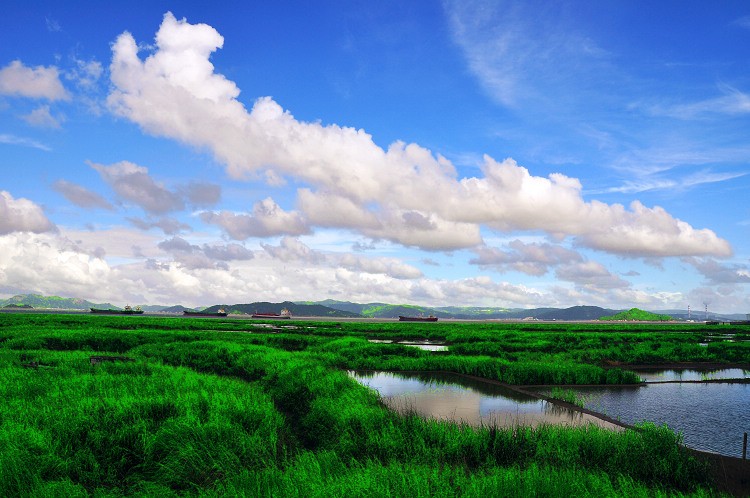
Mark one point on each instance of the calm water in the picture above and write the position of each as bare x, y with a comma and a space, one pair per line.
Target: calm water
452, 397
425, 345
710, 416
650, 375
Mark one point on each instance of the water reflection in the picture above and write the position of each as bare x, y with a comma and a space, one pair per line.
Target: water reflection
456, 398
711, 416
652, 375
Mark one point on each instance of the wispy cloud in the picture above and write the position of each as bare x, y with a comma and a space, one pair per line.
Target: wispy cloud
518, 50
683, 183
743, 22
732, 102
53, 26
23, 141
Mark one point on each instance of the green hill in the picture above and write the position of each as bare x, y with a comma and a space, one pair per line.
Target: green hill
637, 315
53, 302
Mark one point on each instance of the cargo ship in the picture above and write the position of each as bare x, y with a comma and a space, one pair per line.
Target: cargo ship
417, 318
127, 310
284, 315
219, 313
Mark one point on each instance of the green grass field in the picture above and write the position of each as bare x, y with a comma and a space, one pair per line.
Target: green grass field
219, 407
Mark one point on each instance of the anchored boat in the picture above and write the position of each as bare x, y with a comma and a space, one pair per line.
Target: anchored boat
219, 313
127, 310
284, 315
417, 318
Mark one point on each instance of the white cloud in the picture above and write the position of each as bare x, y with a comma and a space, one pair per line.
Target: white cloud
21, 215
132, 183
169, 226
590, 275
717, 273
532, 259
207, 256
292, 250
39, 82
404, 193
267, 219
648, 232
85, 74
43, 118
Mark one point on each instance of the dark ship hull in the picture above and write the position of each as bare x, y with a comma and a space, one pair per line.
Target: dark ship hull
272, 316
116, 312
417, 318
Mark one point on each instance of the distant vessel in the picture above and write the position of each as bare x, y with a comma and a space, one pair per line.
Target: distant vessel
284, 315
127, 310
203, 313
417, 318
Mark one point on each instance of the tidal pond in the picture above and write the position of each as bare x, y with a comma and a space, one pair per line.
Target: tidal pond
459, 399
711, 416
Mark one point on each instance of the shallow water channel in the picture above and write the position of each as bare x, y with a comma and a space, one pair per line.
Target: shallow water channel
456, 398
712, 416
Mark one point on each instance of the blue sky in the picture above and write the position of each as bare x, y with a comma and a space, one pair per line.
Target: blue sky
513, 154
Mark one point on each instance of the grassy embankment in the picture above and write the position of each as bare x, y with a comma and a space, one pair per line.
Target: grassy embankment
207, 409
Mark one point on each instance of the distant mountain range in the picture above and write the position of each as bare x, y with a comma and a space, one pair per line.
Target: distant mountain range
297, 309
346, 309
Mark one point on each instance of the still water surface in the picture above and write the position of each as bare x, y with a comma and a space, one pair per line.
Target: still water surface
710, 416
455, 398
651, 375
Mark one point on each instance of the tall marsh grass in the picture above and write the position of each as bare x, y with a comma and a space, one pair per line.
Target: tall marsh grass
218, 408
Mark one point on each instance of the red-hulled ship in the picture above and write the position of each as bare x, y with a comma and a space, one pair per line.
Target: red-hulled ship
284, 315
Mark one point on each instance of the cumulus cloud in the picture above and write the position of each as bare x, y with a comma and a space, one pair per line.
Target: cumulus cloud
291, 249
38, 82
21, 215
404, 193
81, 196
717, 273
532, 258
267, 219
133, 183
590, 275
206, 256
